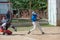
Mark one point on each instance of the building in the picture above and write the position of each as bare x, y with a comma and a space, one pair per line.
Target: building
4, 6
54, 12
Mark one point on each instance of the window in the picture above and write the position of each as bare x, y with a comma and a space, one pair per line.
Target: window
3, 0
3, 8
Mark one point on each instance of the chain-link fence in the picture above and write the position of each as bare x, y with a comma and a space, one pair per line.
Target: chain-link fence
26, 23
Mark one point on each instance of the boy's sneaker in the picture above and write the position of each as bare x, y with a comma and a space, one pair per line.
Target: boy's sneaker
16, 30
29, 32
43, 33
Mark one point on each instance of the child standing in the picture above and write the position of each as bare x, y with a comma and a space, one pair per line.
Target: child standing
34, 22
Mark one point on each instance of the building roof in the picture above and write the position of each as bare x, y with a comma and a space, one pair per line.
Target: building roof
4, 1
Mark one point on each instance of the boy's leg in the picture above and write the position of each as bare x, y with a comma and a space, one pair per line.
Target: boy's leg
6, 28
34, 27
40, 28
3, 25
13, 27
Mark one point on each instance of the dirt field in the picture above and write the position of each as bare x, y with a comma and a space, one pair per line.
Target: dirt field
51, 33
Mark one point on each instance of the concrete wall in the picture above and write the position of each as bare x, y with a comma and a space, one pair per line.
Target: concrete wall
52, 12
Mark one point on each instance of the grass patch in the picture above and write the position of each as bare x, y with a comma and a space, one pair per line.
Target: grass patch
29, 27
21, 20
21, 28
47, 25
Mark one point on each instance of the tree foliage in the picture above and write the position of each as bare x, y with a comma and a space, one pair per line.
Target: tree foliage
29, 4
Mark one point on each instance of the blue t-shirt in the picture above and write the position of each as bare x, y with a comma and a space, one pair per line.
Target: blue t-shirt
34, 17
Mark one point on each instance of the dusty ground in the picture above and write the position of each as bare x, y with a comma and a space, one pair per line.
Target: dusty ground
51, 33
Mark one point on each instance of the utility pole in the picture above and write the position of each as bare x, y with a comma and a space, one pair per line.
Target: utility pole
10, 5
30, 10
30, 4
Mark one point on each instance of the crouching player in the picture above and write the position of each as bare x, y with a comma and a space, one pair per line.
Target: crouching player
6, 24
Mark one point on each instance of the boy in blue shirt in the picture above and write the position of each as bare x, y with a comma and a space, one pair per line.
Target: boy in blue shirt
34, 22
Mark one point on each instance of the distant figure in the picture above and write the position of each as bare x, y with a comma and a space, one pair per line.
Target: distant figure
35, 23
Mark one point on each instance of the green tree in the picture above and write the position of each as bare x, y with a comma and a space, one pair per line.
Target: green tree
29, 4
20, 4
